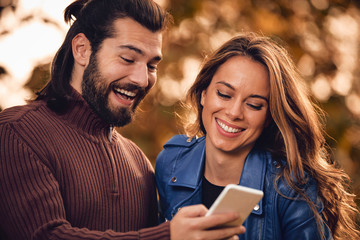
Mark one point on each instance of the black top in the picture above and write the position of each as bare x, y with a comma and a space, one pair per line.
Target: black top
209, 192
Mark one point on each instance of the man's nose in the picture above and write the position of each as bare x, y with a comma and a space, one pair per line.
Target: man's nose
139, 75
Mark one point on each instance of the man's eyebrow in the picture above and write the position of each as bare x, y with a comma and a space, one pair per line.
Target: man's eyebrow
251, 96
139, 51
133, 48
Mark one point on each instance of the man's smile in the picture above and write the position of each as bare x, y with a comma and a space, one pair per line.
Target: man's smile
129, 95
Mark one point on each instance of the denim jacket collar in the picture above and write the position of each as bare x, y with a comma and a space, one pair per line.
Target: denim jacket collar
189, 172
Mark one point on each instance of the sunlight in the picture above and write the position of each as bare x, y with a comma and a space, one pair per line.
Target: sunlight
174, 90
33, 33
321, 88
342, 82
353, 103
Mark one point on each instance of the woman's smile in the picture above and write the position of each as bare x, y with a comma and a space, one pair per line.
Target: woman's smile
230, 130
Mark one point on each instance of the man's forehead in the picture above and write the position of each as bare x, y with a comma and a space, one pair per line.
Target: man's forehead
132, 35
131, 27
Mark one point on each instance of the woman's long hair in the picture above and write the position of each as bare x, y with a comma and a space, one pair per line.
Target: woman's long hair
95, 19
296, 132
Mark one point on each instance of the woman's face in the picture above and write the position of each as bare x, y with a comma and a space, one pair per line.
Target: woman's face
235, 105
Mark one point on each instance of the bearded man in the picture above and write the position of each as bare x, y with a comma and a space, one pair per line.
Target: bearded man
65, 173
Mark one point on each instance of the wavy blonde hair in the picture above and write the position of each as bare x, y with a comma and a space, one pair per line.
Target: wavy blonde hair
296, 132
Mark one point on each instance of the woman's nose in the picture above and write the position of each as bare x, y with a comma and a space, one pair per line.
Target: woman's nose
235, 110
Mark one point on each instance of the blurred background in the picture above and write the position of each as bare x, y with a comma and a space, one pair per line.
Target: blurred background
323, 37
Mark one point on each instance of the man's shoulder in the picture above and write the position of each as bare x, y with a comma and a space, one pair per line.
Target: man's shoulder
30, 116
18, 113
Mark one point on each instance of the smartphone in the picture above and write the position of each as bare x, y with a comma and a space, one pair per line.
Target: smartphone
235, 198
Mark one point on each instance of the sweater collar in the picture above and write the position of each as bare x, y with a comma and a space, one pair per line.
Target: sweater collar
80, 116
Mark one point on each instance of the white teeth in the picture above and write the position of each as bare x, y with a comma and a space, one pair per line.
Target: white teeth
127, 93
227, 128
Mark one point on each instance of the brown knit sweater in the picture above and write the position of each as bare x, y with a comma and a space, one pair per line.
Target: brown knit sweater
71, 176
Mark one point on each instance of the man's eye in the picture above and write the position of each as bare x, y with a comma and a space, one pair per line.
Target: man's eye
127, 60
152, 68
256, 107
220, 94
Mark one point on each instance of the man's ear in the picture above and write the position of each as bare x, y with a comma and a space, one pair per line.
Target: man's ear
81, 49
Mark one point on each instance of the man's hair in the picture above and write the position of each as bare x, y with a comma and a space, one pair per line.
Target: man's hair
95, 19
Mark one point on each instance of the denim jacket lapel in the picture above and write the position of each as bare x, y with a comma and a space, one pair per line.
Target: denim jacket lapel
189, 165
253, 174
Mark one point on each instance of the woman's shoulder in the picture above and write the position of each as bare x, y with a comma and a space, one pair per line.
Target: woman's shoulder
287, 187
182, 141
180, 147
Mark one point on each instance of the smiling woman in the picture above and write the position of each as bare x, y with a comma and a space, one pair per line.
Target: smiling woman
235, 108
257, 127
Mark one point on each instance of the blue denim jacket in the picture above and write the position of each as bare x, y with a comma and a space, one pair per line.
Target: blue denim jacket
179, 171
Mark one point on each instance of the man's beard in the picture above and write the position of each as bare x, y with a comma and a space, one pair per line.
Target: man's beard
96, 92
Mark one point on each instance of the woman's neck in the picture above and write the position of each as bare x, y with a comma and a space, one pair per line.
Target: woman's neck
223, 168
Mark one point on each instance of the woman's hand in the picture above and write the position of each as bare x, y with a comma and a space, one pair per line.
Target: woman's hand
190, 223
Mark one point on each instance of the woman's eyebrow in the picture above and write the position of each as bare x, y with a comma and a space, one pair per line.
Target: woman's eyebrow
226, 84
251, 96
259, 96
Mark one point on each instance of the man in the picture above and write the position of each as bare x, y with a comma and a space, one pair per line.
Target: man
65, 173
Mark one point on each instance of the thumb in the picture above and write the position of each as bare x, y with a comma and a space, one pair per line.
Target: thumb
198, 210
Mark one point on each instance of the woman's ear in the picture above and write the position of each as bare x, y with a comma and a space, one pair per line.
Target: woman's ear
202, 100
81, 49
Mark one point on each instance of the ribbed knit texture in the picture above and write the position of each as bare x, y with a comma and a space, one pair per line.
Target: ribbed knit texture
70, 176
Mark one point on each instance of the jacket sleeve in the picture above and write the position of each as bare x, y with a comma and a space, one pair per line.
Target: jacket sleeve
297, 218
31, 204
160, 184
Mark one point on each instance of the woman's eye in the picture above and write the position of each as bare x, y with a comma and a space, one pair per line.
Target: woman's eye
127, 60
220, 94
256, 107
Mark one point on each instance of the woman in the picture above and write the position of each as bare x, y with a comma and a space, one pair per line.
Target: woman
257, 127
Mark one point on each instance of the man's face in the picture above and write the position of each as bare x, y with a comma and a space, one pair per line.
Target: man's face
122, 71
